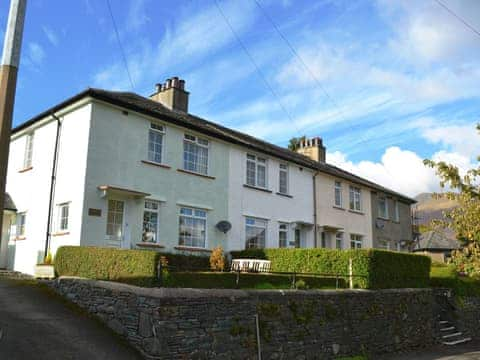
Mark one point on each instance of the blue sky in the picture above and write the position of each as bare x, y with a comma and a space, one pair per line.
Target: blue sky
386, 83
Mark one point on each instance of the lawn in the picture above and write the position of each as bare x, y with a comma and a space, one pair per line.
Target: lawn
228, 280
442, 275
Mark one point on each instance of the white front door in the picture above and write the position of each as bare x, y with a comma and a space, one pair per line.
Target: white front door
115, 235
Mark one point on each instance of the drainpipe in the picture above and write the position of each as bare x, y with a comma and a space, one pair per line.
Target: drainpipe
52, 184
315, 235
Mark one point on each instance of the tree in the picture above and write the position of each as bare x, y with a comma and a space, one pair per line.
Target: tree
464, 219
294, 142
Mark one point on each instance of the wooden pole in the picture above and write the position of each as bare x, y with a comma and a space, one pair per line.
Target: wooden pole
8, 82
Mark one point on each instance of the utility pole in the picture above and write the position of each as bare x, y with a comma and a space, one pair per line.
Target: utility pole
8, 84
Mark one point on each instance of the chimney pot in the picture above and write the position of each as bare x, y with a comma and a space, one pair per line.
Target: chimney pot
175, 82
158, 87
181, 84
168, 84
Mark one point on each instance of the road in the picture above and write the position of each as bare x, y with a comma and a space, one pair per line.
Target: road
36, 324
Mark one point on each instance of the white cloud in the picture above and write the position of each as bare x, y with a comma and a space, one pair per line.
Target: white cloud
137, 15
36, 54
51, 35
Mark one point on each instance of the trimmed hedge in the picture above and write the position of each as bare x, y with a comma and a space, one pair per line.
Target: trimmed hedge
372, 268
136, 267
180, 262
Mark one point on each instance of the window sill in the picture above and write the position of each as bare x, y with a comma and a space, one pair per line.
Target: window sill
17, 238
382, 218
257, 188
339, 208
25, 169
197, 174
62, 233
356, 212
193, 249
155, 164
286, 195
150, 245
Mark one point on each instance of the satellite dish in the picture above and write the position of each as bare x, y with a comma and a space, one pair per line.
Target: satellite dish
224, 226
379, 224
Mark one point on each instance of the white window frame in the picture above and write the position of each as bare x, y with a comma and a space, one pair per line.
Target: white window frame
384, 244
153, 207
262, 224
338, 190
156, 129
28, 155
283, 169
396, 211
194, 216
21, 226
61, 217
258, 162
356, 241
355, 198
115, 214
339, 239
199, 142
283, 229
382, 211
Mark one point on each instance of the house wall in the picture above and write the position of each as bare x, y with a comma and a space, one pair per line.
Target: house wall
390, 230
118, 144
351, 222
30, 190
245, 201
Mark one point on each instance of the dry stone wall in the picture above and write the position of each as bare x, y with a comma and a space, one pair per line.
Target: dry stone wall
221, 324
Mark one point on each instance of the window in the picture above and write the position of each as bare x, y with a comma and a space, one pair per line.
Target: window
338, 194
396, 212
256, 171
355, 198
193, 227
356, 241
283, 179
21, 221
324, 239
195, 154
297, 240
282, 235
339, 240
382, 207
63, 212
155, 143
384, 244
115, 219
150, 222
27, 159
255, 231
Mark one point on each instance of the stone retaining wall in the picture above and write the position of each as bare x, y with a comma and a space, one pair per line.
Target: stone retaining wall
201, 323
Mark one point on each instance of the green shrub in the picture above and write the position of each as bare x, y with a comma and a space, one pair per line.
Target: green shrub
181, 262
137, 267
372, 268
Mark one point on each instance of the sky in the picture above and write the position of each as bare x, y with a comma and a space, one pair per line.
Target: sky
385, 83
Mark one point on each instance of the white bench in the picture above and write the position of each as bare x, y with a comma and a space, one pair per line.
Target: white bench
251, 265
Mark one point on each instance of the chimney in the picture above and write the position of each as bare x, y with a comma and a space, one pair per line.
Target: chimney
172, 94
312, 148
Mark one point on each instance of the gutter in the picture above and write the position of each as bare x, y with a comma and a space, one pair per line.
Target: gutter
52, 184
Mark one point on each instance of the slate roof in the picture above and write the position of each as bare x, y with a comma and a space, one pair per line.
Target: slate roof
437, 240
152, 108
9, 204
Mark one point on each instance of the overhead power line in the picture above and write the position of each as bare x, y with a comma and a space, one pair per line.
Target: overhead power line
252, 60
458, 17
124, 57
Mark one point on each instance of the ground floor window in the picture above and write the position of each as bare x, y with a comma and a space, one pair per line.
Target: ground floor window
356, 241
115, 218
384, 244
255, 233
150, 222
339, 240
62, 216
297, 242
193, 227
282, 235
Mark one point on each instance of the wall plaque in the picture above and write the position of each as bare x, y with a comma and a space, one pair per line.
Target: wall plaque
94, 212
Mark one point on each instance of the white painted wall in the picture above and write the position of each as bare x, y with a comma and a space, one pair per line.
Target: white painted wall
275, 208
351, 222
30, 190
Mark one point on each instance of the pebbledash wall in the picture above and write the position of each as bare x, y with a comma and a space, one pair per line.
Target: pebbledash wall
199, 323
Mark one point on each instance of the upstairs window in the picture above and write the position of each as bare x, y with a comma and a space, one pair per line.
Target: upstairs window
283, 179
396, 212
355, 198
356, 241
382, 207
193, 227
21, 221
63, 211
256, 171
195, 154
27, 159
155, 143
338, 194
255, 231
282, 235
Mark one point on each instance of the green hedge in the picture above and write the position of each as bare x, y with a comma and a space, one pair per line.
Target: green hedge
137, 267
180, 262
372, 268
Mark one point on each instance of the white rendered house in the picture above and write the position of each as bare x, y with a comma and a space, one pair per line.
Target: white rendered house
120, 170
